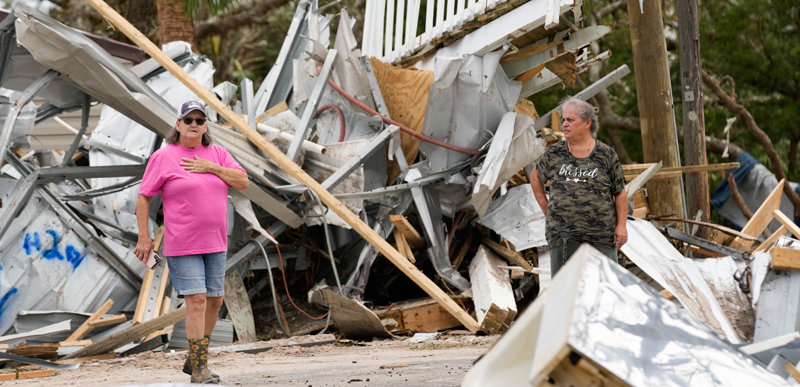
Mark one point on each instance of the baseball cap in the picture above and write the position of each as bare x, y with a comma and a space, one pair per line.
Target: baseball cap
190, 106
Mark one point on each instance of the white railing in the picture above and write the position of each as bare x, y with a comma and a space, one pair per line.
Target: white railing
390, 26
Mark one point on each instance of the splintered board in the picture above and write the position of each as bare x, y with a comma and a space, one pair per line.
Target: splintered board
424, 315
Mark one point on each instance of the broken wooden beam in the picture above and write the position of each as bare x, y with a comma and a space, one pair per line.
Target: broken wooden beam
763, 215
786, 222
409, 232
770, 241
784, 258
424, 315
403, 246
286, 164
495, 305
130, 335
87, 326
635, 169
26, 374
511, 256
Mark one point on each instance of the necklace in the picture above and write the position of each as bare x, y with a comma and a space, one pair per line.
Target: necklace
569, 146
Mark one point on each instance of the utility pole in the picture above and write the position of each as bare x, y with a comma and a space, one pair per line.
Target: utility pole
654, 96
694, 127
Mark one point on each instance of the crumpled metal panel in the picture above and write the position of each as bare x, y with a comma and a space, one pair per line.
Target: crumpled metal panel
652, 252
513, 147
90, 69
599, 311
467, 100
45, 265
516, 216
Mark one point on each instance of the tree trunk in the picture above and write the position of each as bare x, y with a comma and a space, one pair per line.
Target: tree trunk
694, 130
654, 96
173, 25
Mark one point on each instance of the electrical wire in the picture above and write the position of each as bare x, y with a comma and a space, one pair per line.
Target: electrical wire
328, 243
342, 126
286, 286
272, 286
402, 127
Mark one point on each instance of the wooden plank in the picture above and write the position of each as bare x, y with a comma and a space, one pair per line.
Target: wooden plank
511, 256
85, 359
288, 165
76, 343
493, 320
162, 288
526, 106
666, 294
129, 335
784, 258
27, 374
635, 169
159, 238
786, 222
555, 117
144, 294
58, 327
412, 236
657, 176
792, 371
491, 291
764, 246
239, 308
86, 326
763, 215
418, 316
275, 110
405, 92
402, 245
463, 251
101, 322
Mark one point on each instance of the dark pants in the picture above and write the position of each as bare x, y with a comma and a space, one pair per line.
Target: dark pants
562, 249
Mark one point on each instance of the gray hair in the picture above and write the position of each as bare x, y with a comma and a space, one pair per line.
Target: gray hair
585, 110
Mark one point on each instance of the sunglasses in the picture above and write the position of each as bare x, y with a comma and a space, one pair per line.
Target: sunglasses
188, 120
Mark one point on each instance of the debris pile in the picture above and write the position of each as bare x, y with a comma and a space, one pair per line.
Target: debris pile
419, 217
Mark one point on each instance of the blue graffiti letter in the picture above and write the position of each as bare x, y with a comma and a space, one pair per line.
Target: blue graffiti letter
53, 252
74, 256
32, 242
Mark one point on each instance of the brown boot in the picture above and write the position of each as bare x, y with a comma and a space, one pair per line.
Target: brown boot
198, 352
187, 365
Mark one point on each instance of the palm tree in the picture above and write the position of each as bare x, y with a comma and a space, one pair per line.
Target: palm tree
176, 17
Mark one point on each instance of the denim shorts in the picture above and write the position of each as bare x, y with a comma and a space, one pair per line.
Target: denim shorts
198, 274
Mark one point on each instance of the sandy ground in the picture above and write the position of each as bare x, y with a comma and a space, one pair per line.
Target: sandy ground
438, 362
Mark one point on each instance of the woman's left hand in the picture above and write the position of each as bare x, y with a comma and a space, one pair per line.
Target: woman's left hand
620, 235
196, 165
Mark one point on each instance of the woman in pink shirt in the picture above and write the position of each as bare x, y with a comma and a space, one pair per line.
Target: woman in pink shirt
193, 177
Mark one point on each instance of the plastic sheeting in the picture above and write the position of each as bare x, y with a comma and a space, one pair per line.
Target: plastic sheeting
754, 182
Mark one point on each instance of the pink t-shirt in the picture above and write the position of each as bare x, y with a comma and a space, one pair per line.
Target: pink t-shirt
195, 204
